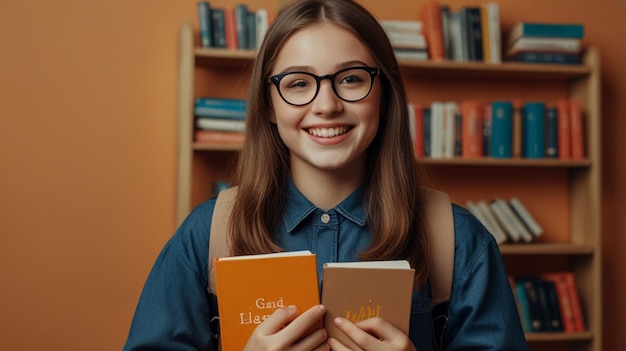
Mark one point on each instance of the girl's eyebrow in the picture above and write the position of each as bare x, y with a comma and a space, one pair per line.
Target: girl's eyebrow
339, 66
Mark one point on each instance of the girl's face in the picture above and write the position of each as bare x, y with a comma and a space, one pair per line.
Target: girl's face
328, 134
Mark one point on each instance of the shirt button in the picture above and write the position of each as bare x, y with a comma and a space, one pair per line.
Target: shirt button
325, 218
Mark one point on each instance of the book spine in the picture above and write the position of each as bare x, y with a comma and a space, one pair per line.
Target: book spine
226, 125
219, 27
251, 30
474, 34
502, 129
552, 132
565, 305
548, 30
519, 227
565, 143
230, 22
491, 222
575, 300
533, 130
577, 128
449, 129
218, 137
471, 129
430, 14
204, 22
517, 128
522, 212
445, 31
241, 17
547, 57
262, 25
436, 129
427, 130
531, 44
493, 16
418, 127
410, 26
487, 130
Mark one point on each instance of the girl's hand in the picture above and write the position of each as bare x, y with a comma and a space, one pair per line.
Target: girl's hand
286, 330
372, 334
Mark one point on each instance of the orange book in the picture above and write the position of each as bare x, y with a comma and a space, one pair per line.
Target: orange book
360, 290
250, 288
575, 299
230, 24
577, 128
218, 136
517, 128
418, 140
565, 304
430, 14
471, 129
565, 143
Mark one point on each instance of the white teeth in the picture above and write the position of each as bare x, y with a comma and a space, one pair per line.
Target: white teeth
327, 132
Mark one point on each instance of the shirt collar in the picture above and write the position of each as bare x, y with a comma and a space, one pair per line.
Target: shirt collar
298, 207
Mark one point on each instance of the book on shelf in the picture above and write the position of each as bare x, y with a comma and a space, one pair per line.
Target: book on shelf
220, 108
262, 24
552, 44
525, 216
411, 54
502, 129
509, 221
426, 112
564, 135
220, 124
569, 301
250, 288
471, 129
360, 290
430, 16
448, 129
533, 129
471, 27
577, 129
483, 213
552, 132
529, 301
218, 22
535, 29
204, 23
399, 26
517, 128
546, 57
458, 46
230, 30
218, 137
490, 21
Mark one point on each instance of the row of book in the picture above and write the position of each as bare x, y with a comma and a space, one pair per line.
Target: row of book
499, 129
407, 38
548, 302
471, 33
545, 42
219, 120
232, 27
508, 221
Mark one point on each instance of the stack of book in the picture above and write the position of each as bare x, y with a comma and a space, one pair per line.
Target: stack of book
499, 129
219, 120
470, 33
548, 302
507, 221
545, 43
407, 38
232, 27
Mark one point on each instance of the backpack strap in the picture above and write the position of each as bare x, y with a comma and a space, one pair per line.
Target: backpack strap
218, 238
441, 225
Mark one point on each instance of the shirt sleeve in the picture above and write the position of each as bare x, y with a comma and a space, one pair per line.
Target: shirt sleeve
175, 310
482, 312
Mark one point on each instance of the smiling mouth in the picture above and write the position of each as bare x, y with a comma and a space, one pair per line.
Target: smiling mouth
328, 132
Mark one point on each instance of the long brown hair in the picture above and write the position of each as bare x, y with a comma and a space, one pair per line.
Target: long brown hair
392, 190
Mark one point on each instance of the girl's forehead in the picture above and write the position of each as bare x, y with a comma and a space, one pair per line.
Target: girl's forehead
323, 46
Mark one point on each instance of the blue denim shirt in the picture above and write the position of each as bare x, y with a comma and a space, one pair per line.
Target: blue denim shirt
175, 311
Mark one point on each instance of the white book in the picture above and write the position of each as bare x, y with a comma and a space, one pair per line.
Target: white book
404, 54
528, 219
493, 17
228, 125
411, 109
262, 24
406, 40
436, 131
524, 234
402, 25
565, 45
449, 128
456, 36
484, 215
505, 222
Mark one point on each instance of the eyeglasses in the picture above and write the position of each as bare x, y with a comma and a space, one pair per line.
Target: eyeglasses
350, 84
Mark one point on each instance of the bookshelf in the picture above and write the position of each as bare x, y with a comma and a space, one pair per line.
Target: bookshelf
564, 195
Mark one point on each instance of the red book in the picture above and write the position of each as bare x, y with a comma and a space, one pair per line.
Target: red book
218, 136
230, 27
565, 143
418, 141
517, 127
577, 127
471, 129
430, 14
579, 319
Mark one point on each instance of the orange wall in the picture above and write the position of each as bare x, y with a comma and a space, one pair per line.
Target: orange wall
87, 157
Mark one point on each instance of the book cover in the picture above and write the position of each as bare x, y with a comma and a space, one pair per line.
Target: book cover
251, 44
204, 23
533, 130
220, 108
552, 44
470, 18
436, 129
565, 141
430, 15
552, 132
427, 131
534, 29
262, 25
577, 310
218, 137
457, 41
555, 320
471, 129
502, 129
230, 22
250, 288
449, 129
533, 305
360, 290
577, 128
241, 22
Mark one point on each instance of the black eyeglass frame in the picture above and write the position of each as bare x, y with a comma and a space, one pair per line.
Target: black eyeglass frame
373, 72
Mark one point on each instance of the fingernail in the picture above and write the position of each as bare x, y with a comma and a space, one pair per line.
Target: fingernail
292, 308
338, 321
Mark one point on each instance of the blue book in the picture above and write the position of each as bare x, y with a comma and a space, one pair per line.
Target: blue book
552, 132
533, 130
220, 108
241, 23
529, 29
502, 129
547, 57
218, 22
426, 132
204, 21
487, 131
